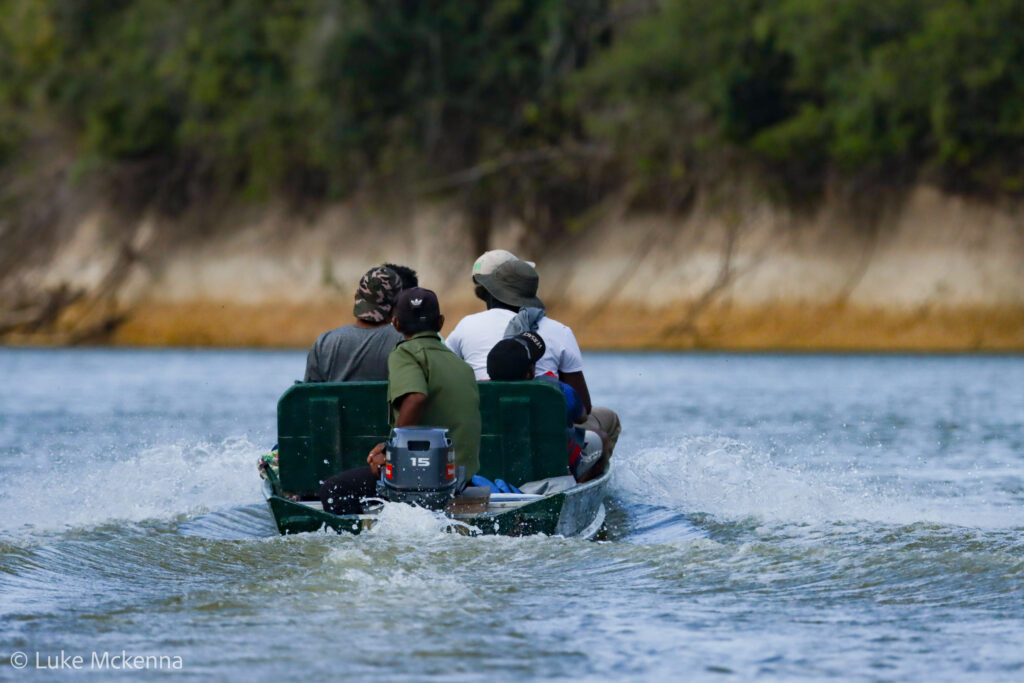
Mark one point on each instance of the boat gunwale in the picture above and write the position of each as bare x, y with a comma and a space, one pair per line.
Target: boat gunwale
364, 520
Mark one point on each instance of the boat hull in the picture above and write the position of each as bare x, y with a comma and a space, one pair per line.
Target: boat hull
576, 512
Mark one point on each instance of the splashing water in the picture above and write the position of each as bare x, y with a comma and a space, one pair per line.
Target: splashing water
164, 482
731, 480
398, 520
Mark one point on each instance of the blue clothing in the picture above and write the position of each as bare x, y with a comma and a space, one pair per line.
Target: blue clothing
574, 410
526, 320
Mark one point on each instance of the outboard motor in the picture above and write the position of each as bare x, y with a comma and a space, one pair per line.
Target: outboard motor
419, 468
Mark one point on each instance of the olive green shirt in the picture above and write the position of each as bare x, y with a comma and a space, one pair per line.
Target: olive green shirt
423, 364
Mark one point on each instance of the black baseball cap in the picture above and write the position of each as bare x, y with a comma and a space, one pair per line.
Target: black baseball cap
512, 358
417, 308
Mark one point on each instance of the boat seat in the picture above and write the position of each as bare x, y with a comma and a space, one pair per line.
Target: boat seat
324, 428
549, 485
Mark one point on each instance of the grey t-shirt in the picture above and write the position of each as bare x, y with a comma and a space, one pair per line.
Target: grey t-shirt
352, 354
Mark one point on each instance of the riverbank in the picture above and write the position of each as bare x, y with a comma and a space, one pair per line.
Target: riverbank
935, 274
782, 328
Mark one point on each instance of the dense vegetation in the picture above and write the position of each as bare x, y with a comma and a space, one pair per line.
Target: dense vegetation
536, 107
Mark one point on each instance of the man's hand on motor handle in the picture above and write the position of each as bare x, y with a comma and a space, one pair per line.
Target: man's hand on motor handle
376, 459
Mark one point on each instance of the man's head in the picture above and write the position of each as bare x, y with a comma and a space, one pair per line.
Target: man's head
514, 283
514, 358
376, 294
418, 311
407, 274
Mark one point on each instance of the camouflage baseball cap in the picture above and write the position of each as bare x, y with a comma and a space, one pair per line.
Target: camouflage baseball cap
376, 295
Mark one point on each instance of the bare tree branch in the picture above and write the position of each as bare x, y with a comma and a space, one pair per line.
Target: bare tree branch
475, 174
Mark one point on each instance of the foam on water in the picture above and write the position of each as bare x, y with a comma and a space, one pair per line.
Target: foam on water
408, 557
163, 482
423, 583
732, 481
406, 521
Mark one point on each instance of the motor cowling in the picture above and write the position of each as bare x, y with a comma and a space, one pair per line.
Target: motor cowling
419, 467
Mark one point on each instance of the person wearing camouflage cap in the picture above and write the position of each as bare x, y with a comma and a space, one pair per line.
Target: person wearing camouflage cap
375, 297
359, 352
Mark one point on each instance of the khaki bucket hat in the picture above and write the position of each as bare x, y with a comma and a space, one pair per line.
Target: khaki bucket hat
513, 282
489, 260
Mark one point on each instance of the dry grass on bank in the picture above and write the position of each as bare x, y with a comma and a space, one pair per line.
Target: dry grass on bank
788, 327
775, 327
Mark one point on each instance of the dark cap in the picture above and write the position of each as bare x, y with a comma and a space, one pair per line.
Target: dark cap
513, 282
375, 296
417, 310
511, 359
534, 344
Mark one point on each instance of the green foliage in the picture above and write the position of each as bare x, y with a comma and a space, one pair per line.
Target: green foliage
316, 98
26, 48
877, 87
313, 97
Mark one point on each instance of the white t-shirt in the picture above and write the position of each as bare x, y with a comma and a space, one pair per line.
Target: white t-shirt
476, 334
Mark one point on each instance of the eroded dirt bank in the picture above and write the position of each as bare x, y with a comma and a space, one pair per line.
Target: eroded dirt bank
938, 274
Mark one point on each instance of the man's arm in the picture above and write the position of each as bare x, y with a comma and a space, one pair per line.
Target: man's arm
410, 409
578, 382
407, 391
570, 364
410, 413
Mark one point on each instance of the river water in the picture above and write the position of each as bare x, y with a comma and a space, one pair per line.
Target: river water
856, 517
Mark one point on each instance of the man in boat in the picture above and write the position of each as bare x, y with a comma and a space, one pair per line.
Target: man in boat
510, 292
359, 351
514, 359
427, 385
